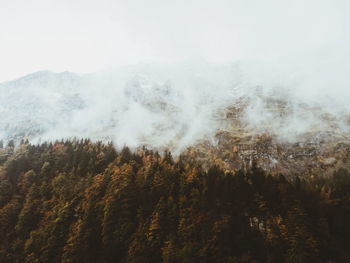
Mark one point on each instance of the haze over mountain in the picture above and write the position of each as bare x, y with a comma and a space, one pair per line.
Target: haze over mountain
168, 105
167, 73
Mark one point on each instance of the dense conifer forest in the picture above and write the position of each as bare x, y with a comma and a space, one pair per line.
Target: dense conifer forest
79, 201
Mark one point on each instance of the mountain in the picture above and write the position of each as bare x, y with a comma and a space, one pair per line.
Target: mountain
249, 173
163, 106
207, 112
31, 105
134, 106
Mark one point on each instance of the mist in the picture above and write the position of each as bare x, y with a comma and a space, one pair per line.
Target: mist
163, 73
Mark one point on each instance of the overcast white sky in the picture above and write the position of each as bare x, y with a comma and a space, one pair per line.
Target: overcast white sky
90, 35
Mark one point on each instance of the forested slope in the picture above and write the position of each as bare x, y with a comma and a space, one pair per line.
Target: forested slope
78, 201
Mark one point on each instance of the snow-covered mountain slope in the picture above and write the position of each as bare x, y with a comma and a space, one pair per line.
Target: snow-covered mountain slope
130, 106
31, 105
161, 106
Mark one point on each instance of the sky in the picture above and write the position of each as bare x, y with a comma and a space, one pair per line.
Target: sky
210, 54
92, 35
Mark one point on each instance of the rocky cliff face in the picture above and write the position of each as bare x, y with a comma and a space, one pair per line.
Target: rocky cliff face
238, 146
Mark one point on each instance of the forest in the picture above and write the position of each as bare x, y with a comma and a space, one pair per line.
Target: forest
81, 201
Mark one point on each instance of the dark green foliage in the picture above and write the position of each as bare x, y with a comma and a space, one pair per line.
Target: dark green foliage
84, 202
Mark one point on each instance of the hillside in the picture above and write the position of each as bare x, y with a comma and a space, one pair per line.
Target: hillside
203, 112
78, 201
